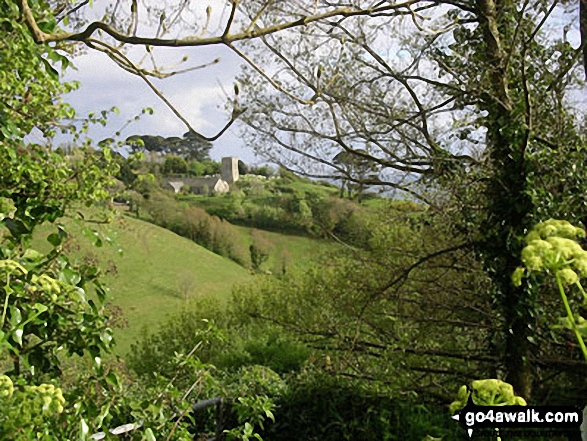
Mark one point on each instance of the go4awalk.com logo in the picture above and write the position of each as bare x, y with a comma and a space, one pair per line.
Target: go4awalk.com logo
568, 419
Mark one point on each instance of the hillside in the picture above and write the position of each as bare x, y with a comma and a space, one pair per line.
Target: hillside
284, 250
157, 273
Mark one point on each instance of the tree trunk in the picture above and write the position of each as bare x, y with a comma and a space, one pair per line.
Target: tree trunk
509, 207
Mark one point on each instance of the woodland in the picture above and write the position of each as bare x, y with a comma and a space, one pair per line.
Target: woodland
417, 242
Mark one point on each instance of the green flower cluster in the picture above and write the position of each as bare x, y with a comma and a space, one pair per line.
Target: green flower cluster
29, 412
552, 246
490, 392
6, 387
49, 396
46, 284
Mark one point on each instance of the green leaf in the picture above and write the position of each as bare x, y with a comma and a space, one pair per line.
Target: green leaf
84, 430
112, 380
17, 335
106, 338
47, 26
70, 276
93, 235
15, 316
104, 411
16, 227
149, 436
40, 308
54, 239
50, 70
32, 255
270, 415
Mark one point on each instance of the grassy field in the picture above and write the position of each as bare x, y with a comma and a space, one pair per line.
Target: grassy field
288, 249
157, 274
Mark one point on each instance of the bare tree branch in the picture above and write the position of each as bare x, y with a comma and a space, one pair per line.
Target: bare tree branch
73, 10
43, 37
123, 60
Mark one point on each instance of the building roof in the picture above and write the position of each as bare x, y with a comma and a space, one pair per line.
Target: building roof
209, 181
201, 182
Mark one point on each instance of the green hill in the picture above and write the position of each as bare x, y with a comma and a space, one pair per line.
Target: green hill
285, 250
157, 273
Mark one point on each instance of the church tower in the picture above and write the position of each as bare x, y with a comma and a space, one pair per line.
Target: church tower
229, 170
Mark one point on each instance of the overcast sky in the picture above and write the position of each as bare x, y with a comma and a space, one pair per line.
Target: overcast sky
198, 94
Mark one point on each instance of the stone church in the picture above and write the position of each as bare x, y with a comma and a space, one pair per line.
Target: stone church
207, 184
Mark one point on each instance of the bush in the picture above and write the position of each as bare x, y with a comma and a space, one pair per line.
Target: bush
266, 347
178, 335
259, 249
317, 406
266, 216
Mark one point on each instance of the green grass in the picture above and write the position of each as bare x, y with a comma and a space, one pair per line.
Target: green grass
220, 203
312, 187
157, 274
296, 251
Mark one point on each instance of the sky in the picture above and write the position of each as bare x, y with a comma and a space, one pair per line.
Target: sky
200, 95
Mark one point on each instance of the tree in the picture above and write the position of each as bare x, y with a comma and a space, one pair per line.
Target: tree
126, 173
473, 103
262, 170
190, 147
174, 165
359, 307
260, 249
356, 169
45, 315
194, 147
204, 168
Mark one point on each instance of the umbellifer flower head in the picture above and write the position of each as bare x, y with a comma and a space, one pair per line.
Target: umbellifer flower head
552, 246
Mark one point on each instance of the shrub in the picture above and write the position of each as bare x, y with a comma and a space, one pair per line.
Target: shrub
318, 406
260, 249
178, 335
266, 347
